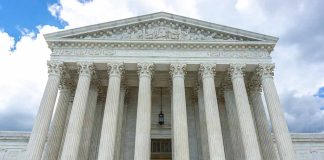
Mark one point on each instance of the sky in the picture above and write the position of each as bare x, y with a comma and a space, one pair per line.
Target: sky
298, 55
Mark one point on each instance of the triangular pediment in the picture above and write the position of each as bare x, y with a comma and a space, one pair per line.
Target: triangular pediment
159, 27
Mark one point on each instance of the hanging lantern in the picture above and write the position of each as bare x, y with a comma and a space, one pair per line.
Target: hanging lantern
161, 118
161, 115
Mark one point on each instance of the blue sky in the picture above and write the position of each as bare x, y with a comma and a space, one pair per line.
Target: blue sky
16, 16
299, 54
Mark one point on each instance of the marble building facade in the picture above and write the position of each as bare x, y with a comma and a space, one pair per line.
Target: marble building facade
109, 82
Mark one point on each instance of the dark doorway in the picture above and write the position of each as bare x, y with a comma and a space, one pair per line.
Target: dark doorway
161, 149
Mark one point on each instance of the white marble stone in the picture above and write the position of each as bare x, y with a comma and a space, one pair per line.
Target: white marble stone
143, 120
248, 134
307, 146
261, 121
88, 122
179, 113
109, 125
56, 132
74, 129
43, 118
233, 121
278, 120
214, 130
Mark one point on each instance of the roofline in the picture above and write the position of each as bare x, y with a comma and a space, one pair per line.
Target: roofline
152, 16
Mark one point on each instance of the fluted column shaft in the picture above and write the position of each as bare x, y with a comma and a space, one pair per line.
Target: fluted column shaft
120, 124
109, 125
58, 123
95, 136
262, 124
75, 125
88, 122
143, 118
279, 125
202, 123
225, 128
179, 113
249, 136
66, 122
214, 130
233, 121
43, 118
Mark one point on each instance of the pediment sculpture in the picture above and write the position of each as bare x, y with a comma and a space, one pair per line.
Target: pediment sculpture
162, 30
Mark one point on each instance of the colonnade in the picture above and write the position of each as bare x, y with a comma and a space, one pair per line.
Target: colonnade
249, 128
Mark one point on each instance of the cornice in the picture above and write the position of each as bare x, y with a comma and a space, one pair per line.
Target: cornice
156, 45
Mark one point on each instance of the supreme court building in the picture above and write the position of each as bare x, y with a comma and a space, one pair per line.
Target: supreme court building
160, 86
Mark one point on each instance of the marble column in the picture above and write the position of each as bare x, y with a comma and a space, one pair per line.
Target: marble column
71, 98
95, 136
233, 121
249, 136
109, 124
261, 121
120, 124
123, 141
214, 130
194, 97
143, 118
44, 115
202, 123
88, 120
58, 123
278, 121
179, 113
75, 125
225, 127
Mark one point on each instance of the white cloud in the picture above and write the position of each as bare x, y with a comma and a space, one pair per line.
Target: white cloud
24, 73
77, 13
7, 43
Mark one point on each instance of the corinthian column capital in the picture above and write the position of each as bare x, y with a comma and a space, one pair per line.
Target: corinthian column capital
55, 67
207, 70
265, 70
178, 70
86, 68
145, 69
236, 70
116, 69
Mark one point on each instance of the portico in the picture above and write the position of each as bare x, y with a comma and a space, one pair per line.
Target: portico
210, 78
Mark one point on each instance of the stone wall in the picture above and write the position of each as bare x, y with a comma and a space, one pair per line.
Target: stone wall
307, 146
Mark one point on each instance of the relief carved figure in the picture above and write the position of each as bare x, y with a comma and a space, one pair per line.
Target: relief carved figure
161, 31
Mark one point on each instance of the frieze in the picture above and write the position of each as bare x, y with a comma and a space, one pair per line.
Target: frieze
248, 54
240, 54
162, 30
84, 51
